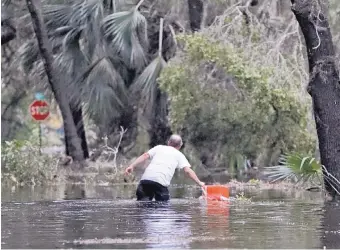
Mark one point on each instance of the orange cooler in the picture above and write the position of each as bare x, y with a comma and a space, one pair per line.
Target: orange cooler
216, 192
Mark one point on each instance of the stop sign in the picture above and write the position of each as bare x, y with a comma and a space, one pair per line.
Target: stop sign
39, 110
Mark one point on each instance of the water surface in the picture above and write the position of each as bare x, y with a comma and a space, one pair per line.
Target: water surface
109, 217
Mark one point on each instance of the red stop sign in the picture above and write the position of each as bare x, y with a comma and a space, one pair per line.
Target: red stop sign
39, 110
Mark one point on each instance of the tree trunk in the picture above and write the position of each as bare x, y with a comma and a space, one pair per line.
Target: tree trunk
160, 130
324, 86
129, 122
74, 146
79, 122
196, 9
77, 115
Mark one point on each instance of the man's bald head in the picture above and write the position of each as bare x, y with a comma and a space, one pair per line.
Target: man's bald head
175, 141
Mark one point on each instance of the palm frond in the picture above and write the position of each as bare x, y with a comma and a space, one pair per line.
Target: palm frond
120, 30
294, 167
301, 164
112, 6
72, 39
38, 73
138, 57
75, 14
27, 55
70, 64
92, 35
56, 16
84, 10
142, 34
146, 83
38, 70
104, 91
62, 31
280, 173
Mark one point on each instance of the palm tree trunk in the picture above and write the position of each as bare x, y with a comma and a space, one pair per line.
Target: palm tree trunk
324, 85
77, 115
75, 149
129, 121
159, 128
78, 120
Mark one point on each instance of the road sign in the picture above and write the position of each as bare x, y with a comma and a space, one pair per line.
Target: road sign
39, 110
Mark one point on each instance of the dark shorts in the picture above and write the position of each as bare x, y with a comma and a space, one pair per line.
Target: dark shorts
147, 190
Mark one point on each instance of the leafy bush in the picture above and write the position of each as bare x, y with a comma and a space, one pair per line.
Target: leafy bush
225, 105
237, 91
22, 163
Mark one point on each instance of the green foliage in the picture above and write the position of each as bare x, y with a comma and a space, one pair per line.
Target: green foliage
23, 164
254, 182
220, 100
242, 198
295, 167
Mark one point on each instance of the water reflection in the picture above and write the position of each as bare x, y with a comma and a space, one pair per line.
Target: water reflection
217, 213
74, 220
74, 192
330, 236
162, 220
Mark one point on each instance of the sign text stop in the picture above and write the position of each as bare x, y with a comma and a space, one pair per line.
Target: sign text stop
39, 110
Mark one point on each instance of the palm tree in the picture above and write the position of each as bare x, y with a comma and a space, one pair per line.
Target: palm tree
103, 56
55, 84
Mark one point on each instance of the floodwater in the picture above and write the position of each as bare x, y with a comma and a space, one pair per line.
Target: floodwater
109, 217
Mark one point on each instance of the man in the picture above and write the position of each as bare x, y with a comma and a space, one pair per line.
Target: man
157, 176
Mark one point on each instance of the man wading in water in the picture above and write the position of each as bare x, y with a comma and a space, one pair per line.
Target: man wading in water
157, 176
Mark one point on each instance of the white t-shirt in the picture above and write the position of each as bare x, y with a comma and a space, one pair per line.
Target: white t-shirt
164, 161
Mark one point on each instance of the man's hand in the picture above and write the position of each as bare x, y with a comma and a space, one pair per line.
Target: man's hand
193, 176
128, 170
141, 159
202, 184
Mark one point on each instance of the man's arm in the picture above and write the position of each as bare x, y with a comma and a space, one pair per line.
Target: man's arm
190, 173
141, 159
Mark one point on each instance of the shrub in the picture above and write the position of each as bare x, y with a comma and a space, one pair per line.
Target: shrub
22, 163
226, 105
